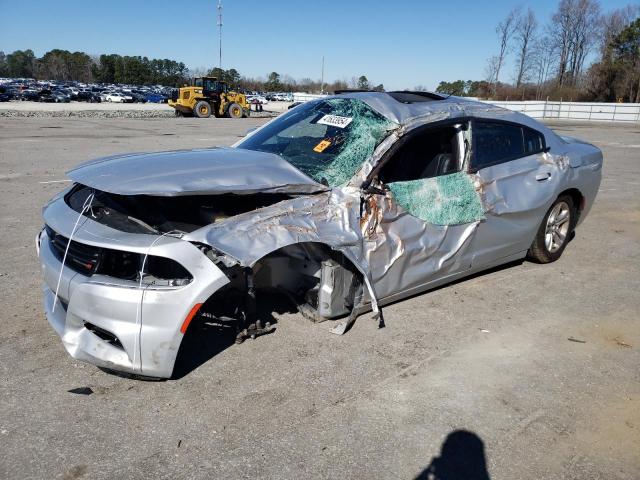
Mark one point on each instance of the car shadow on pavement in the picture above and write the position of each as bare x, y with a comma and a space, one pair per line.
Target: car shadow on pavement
461, 458
206, 339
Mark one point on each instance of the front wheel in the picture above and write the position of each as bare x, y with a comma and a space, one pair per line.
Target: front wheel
234, 111
554, 232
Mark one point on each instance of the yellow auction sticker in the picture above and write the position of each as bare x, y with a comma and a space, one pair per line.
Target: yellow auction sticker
322, 146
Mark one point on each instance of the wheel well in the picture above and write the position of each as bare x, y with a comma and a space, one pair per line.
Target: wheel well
576, 196
308, 271
300, 271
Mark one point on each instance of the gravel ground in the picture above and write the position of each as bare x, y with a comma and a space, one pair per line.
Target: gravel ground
480, 374
109, 110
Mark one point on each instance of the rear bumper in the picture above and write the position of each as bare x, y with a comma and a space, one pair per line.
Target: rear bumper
138, 327
590, 178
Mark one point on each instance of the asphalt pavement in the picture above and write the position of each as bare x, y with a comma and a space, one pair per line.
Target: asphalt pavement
524, 372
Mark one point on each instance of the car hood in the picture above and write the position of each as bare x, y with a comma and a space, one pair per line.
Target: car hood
194, 172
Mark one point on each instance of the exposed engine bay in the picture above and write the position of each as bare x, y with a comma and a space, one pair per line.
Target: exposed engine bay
158, 215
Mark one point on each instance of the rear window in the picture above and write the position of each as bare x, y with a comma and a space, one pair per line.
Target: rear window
533, 141
496, 142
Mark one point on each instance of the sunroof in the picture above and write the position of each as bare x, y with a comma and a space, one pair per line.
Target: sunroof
415, 97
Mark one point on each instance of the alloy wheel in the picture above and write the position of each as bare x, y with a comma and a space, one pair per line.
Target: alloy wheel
557, 227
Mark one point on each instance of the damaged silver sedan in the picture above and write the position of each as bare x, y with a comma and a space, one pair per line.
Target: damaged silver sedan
345, 203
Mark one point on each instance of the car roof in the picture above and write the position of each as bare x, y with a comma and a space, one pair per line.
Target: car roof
403, 107
408, 107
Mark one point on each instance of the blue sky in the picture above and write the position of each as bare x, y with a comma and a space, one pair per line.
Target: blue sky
399, 43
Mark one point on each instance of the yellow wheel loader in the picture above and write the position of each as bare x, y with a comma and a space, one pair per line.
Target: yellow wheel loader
209, 96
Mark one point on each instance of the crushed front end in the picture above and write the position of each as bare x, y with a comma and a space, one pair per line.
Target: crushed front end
105, 311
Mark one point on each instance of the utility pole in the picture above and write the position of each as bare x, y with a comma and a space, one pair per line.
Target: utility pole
322, 77
220, 32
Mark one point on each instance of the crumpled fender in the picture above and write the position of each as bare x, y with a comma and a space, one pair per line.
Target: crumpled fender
330, 218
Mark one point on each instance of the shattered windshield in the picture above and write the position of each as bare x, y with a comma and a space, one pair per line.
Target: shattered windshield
327, 140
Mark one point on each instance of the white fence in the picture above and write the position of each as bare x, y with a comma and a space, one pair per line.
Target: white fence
608, 112
305, 97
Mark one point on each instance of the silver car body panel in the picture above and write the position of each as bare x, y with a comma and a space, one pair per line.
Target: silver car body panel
397, 253
194, 172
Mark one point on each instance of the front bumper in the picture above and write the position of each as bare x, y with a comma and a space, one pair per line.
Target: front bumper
145, 320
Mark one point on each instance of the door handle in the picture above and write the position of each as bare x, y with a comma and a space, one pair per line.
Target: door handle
541, 177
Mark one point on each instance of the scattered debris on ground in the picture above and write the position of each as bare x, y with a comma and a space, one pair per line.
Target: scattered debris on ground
576, 340
81, 391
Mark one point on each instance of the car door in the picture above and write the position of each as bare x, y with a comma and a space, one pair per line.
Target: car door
517, 180
420, 211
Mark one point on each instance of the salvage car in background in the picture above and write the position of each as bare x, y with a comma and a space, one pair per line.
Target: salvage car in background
86, 96
345, 203
117, 97
156, 98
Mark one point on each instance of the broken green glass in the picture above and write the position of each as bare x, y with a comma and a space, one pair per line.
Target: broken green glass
328, 140
445, 200
367, 129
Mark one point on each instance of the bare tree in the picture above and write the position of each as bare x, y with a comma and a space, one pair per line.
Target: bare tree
544, 54
505, 30
574, 28
561, 31
491, 73
585, 34
524, 32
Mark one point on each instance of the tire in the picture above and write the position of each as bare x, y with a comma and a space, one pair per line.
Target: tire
554, 232
202, 109
234, 111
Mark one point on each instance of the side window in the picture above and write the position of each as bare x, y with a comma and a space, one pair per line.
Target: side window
495, 143
425, 178
428, 155
533, 141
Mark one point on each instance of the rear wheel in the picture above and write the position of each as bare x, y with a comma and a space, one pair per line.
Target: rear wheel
234, 111
202, 109
554, 232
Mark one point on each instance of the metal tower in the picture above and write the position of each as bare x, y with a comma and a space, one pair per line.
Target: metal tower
220, 31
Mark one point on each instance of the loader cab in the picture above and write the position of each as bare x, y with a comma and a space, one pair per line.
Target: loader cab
210, 85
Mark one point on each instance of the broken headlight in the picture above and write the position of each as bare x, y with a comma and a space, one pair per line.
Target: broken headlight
153, 270
219, 258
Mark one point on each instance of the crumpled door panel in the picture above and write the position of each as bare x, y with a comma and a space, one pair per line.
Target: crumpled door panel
516, 195
405, 252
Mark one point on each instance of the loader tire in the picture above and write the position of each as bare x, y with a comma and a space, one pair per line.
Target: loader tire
202, 109
234, 111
